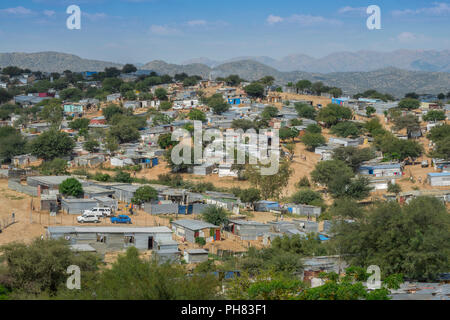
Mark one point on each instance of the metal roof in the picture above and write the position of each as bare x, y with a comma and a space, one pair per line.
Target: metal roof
439, 174
194, 224
68, 229
197, 251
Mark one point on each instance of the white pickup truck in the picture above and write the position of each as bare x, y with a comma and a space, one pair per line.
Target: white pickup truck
88, 218
99, 212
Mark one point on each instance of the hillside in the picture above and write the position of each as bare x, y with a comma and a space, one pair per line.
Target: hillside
52, 62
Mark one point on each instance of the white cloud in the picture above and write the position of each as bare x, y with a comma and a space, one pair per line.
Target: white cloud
302, 19
17, 10
94, 16
163, 30
438, 9
274, 19
352, 10
49, 13
194, 23
406, 37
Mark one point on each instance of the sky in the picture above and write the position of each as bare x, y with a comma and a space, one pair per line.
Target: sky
139, 31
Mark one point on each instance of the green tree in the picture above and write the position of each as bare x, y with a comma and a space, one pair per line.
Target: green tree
129, 68
165, 105
305, 110
269, 112
370, 111
79, 123
326, 171
254, 90
53, 113
353, 156
161, 94
412, 240
307, 196
346, 129
91, 145
334, 113
409, 103
165, 141
217, 104
434, 115
71, 187
52, 144
313, 140
250, 195
12, 143
303, 85
123, 176
394, 188
54, 167
196, 114
215, 215
112, 110
144, 194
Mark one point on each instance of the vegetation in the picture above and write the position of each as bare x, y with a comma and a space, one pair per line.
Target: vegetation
71, 187
215, 215
144, 194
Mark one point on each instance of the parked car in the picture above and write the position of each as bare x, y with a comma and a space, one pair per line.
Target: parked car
121, 219
88, 218
99, 211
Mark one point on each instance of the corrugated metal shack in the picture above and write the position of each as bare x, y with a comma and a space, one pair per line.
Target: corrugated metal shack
195, 255
191, 229
248, 230
77, 206
105, 239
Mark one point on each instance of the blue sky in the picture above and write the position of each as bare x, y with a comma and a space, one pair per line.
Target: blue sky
177, 30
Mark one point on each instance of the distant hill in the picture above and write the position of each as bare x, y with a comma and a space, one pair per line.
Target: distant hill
53, 62
387, 80
414, 60
396, 81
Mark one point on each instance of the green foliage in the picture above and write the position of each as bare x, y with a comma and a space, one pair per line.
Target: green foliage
412, 240
91, 145
52, 144
200, 240
165, 141
125, 131
434, 115
40, 268
112, 110
54, 167
306, 196
215, 215
250, 195
409, 103
353, 156
254, 90
269, 112
243, 124
313, 128
296, 122
346, 208
71, 187
370, 110
53, 113
288, 133
394, 188
356, 188
79, 123
217, 104
123, 176
395, 148
144, 194
12, 143
103, 177
410, 122
303, 183
196, 114
129, 68
165, 105
333, 113
161, 94
305, 110
313, 140
346, 129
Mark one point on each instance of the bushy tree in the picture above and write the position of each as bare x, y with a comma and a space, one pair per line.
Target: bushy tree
409, 103
305, 110
333, 113
346, 129
54, 167
12, 143
196, 114
313, 140
307, 196
71, 187
144, 194
254, 90
215, 215
52, 144
123, 176
353, 156
217, 104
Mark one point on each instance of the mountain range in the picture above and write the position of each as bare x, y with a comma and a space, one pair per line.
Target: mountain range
404, 71
414, 60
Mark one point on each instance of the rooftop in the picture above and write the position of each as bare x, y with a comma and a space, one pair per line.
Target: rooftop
193, 224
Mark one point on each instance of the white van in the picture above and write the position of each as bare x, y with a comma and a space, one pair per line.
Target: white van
99, 211
88, 218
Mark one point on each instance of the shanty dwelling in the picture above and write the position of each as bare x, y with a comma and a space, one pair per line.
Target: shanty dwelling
105, 239
121, 161
266, 206
248, 230
125, 192
310, 226
204, 169
225, 170
23, 160
442, 165
49, 202
88, 160
162, 207
345, 142
195, 255
381, 169
107, 202
96, 191
77, 206
439, 179
407, 196
304, 210
166, 249
313, 266
192, 229
325, 149
382, 183
44, 183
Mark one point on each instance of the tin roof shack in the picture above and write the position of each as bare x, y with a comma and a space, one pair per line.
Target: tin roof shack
23, 160
248, 230
345, 142
407, 196
195, 255
46, 183
106, 239
107, 202
166, 250
77, 206
204, 169
96, 191
49, 202
381, 169
439, 179
125, 192
441, 164
192, 229
224, 200
382, 183
304, 210
161, 207
88, 160
313, 266
266, 206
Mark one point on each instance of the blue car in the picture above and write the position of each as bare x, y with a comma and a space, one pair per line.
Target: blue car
121, 219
